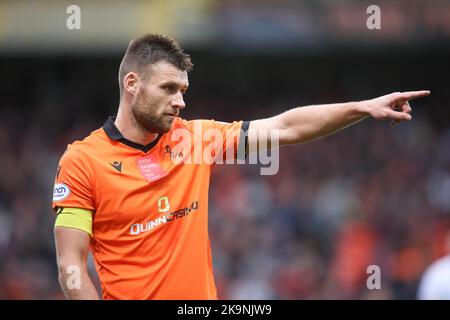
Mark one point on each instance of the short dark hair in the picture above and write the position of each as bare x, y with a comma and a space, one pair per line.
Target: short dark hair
150, 49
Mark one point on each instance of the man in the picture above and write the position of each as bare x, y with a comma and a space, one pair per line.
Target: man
124, 194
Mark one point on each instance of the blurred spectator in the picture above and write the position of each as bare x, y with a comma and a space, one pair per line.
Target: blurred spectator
435, 282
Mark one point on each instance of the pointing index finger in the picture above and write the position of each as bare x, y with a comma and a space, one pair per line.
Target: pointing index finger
409, 95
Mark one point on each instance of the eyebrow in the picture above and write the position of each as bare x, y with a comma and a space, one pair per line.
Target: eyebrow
175, 83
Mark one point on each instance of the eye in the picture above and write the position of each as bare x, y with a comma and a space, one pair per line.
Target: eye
170, 88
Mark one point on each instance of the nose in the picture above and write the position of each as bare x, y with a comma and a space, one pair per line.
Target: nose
178, 101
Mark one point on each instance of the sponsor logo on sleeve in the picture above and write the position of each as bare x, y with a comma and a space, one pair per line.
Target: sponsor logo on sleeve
60, 192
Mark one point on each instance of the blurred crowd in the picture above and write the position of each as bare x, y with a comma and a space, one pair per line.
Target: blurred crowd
371, 195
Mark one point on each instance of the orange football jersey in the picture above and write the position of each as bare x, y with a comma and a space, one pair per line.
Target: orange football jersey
150, 212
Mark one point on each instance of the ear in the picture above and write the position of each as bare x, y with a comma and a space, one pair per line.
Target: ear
130, 82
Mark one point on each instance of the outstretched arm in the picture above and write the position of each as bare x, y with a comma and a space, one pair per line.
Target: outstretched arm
308, 123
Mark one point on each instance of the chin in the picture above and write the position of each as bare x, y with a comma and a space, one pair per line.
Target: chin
166, 128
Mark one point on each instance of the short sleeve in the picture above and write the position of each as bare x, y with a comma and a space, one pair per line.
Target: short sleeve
73, 184
231, 137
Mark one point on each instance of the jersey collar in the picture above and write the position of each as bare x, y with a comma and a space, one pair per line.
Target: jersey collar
114, 134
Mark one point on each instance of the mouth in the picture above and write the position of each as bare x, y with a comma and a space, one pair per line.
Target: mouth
174, 115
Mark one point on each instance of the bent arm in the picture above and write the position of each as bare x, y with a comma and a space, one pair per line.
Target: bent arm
308, 123
72, 246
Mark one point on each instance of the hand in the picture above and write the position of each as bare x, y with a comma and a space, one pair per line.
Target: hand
394, 106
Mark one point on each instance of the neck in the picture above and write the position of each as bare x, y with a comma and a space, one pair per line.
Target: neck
131, 130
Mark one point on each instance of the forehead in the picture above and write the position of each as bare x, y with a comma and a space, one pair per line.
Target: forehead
163, 71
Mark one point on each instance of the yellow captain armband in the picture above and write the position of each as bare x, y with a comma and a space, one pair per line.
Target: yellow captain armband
76, 218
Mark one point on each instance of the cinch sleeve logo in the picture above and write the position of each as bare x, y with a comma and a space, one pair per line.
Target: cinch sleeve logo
60, 192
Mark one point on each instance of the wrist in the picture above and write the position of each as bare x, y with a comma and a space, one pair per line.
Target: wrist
363, 108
